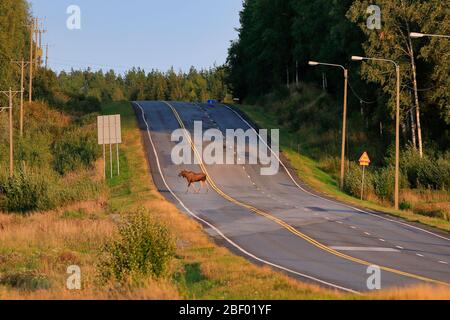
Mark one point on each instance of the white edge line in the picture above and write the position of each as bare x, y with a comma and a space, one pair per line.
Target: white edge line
332, 201
231, 242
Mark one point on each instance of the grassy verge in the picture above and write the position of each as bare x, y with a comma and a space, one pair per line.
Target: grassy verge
309, 171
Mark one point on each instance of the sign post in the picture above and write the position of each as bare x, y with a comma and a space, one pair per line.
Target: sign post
109, 133
364, 162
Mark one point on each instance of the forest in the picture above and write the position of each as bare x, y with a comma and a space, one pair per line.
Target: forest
268, 69
278, 38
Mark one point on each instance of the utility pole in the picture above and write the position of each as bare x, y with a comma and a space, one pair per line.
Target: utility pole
10, 94
22, 64
397, 141
30, 89
344, 129
35, 32
39, 31
46, 56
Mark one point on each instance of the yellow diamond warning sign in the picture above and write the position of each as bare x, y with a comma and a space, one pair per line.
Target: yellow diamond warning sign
364, 161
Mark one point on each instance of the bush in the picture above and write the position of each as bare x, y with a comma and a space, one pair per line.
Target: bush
76, 149
427, 172
383, 181
353, 179
143, 248
28, 190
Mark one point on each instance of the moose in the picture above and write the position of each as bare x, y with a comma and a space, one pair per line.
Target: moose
192, 177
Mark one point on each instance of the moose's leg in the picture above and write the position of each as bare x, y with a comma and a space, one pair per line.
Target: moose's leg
198, 190
189, 185
205, 184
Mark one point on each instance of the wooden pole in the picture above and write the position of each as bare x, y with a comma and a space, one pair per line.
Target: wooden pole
344, 129
11, 140
397, 143
30, 89
22, 69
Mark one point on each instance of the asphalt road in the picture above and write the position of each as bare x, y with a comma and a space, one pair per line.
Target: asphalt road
275, 220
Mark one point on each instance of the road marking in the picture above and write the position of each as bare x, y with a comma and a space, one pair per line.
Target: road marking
340, 222
282, 222
399, 247
231, 242
372, 249
443, 262
352, 227
329, 200
382, 240
419, 255
367, 234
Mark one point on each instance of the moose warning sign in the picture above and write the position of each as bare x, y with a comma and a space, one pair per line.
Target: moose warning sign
364, 161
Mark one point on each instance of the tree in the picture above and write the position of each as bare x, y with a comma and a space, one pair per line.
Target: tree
393, 41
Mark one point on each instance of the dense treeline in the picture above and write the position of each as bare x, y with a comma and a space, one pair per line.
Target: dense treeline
84, 90
277, 38
136, 84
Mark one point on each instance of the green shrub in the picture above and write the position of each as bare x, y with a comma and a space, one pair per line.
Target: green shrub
76, 149
353, 180
432, 212
383, 181
143, 248
427, 172
28, 190
42, 189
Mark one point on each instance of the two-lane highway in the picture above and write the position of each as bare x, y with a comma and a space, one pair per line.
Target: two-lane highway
273, 220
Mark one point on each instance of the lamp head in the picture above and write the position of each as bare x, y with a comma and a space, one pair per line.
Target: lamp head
416, 35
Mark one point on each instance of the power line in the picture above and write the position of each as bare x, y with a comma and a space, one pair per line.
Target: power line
358, 97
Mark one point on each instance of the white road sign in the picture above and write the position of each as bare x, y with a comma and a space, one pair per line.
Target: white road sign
109, 130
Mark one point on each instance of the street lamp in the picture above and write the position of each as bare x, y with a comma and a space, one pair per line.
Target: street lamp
344, 121
397, 126
416, 35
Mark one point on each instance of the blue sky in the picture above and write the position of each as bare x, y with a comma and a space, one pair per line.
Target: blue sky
158, 34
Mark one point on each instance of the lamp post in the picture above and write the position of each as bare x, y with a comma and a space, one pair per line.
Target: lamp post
397, 125
344, 121
416, 35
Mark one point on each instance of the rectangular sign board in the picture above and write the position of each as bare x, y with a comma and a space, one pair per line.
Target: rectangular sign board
109, 129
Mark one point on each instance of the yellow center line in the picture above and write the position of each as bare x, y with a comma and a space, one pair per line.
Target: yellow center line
286, 225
